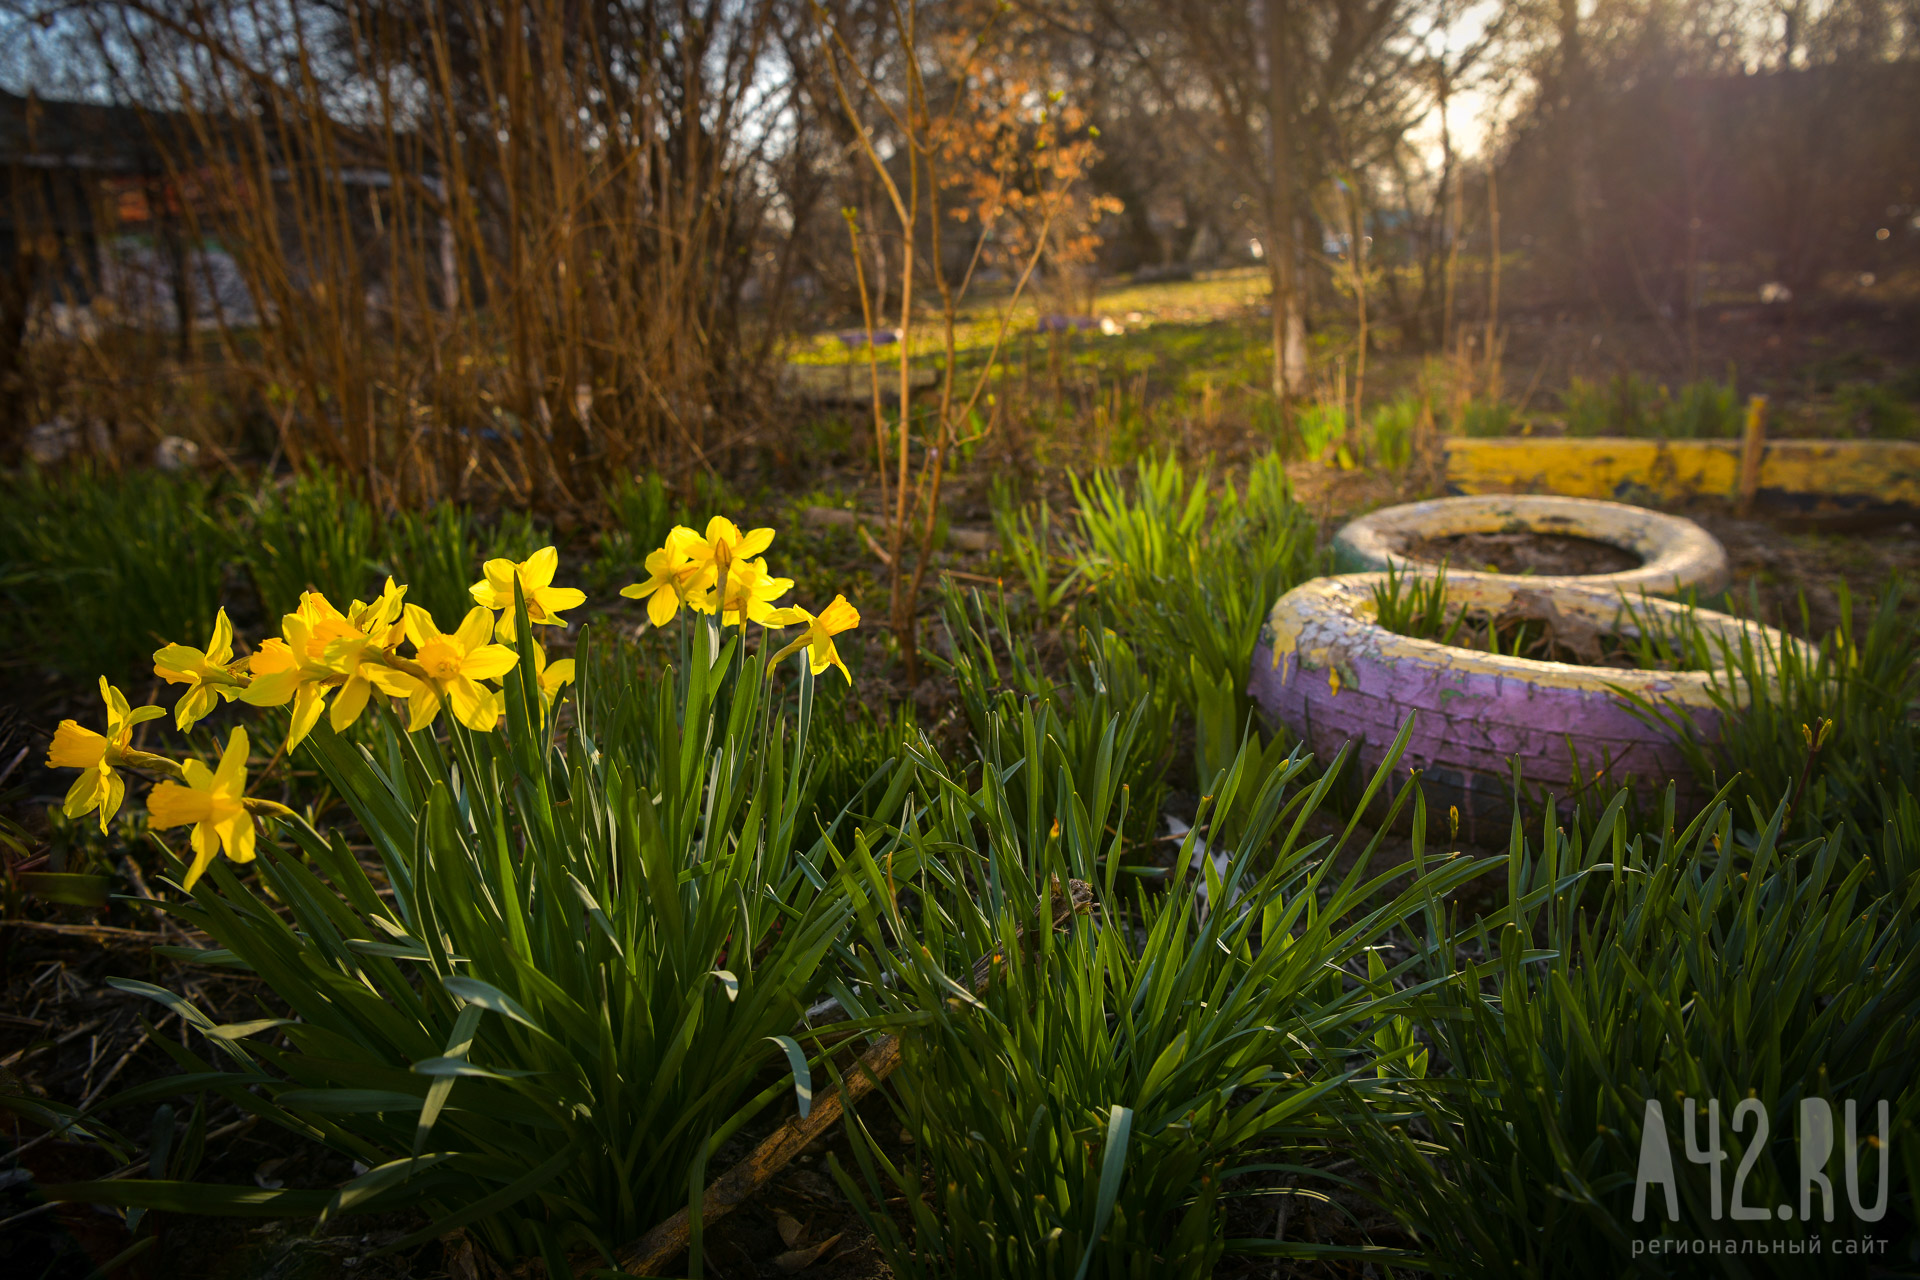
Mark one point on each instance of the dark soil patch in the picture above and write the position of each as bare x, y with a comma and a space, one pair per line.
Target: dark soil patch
1547, 554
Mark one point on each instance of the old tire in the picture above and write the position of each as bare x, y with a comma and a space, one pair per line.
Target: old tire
1677, 555
1328, 671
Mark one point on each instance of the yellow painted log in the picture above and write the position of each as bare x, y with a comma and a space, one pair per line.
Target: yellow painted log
1811, 475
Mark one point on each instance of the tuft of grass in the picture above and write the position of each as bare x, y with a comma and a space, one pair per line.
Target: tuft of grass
1704, 410
1869, 409
1485, 418
1393, 426
309, 532
1416, 606
1083, 1113
1629, 969
1028, 544
103, 567
1773, 702
1320, 426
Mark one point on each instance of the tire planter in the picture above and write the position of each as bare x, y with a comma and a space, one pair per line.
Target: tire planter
1327, 670
1677, 554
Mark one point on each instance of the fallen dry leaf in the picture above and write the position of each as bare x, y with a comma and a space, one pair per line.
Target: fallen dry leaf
801, 1259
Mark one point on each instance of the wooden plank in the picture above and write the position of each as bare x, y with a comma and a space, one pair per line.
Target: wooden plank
1599, 467
1811, 476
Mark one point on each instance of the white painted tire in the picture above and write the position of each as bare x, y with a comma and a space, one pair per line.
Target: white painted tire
1326, 670
1677, 555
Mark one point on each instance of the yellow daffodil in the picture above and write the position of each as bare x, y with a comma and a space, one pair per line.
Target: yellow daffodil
723, 545
382, 620
818, 637
544, 600
674, 578
214, 801
550, 675
447, 668
319, 649
750, 589
293, 666
98, 787
377, 628
209, 673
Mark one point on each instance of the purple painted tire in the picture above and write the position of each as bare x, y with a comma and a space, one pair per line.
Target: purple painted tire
1328, 671
1676, 554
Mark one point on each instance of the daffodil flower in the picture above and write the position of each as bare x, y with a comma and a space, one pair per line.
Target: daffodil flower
550, 676
749, 589
723, 545
544, 600
377, 628
98, 787
674, 578
447, 668
293, 666
319, 649
214, 801
209, 673
817, 639
382, 620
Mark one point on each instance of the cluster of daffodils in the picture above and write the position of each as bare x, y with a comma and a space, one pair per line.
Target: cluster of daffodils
389, 647
722, 572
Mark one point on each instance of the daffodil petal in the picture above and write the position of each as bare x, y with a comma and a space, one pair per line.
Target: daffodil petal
350, 702
424, 704
236, 833
272, 689
421, 628
194, 704
231, 777
474, 629
113, 792
538, 569
84, 795
473, 706
489, 662
307, 707
177, 663
395, 684
220, 648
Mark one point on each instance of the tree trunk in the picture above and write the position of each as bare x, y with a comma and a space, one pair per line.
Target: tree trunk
1289, 328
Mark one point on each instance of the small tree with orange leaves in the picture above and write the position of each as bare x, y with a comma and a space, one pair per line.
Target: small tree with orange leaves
950, 125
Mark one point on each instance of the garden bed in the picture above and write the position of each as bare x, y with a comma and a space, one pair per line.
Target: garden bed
1554, 554
1134, 635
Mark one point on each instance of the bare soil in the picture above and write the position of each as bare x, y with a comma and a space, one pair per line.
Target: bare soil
1545, 554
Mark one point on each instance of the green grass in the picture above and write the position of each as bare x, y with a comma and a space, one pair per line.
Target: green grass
1670, 965
601, 927
1630, 404
102, 568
